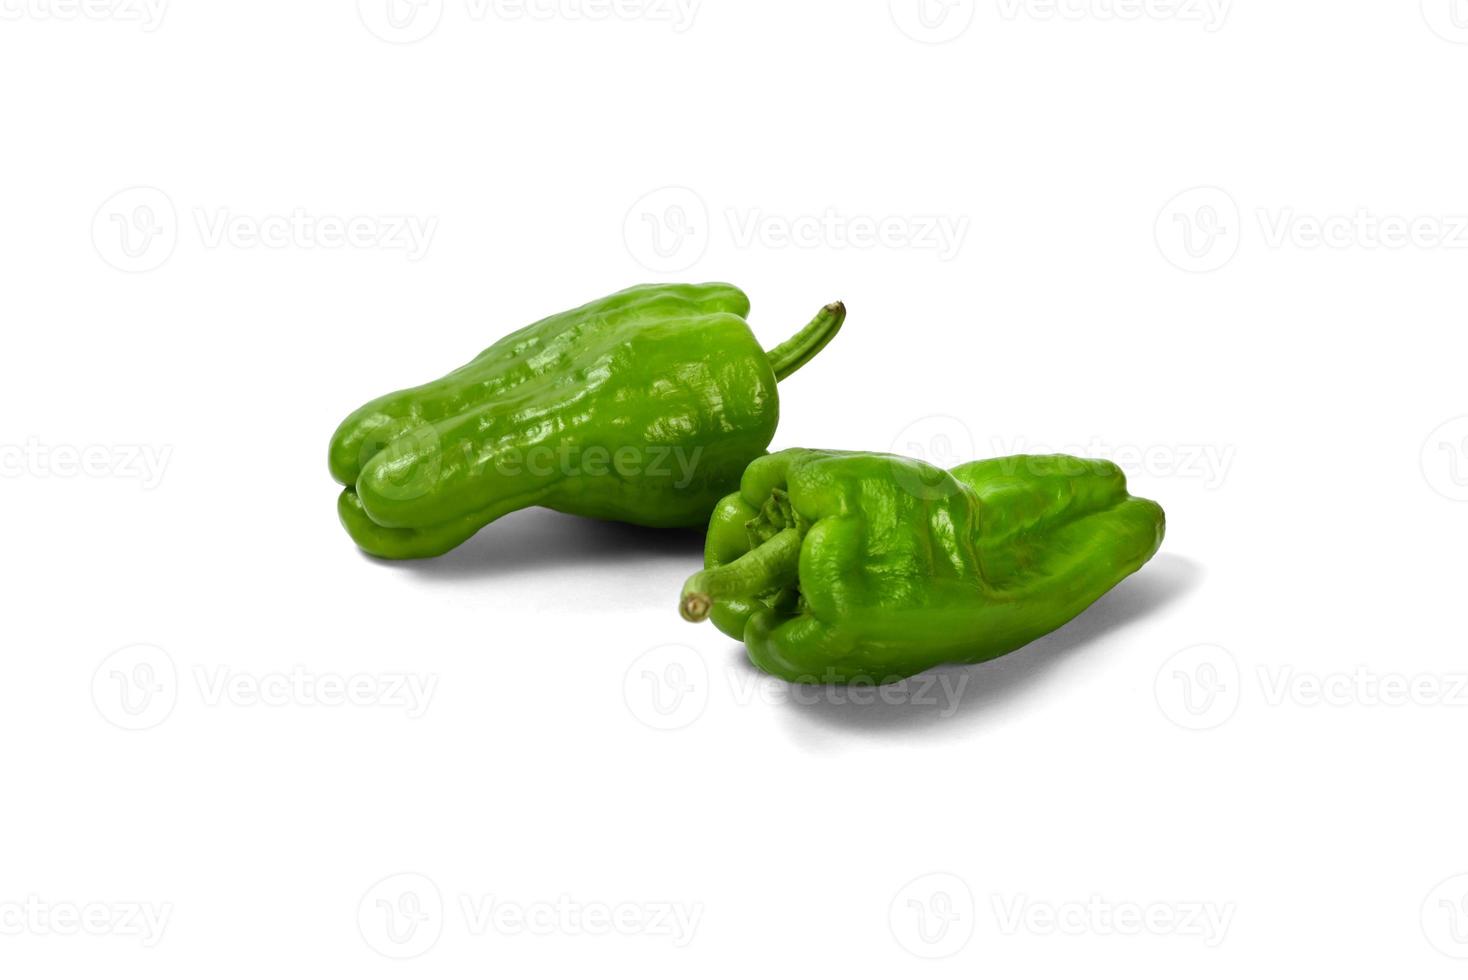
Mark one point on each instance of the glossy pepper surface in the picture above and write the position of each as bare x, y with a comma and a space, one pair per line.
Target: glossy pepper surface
643, 407
837, 567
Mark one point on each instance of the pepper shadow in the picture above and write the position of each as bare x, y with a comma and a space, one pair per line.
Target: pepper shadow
1165, 580
538, 539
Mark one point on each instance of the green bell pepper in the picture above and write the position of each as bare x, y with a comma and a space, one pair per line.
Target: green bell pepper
838, 567
643, 407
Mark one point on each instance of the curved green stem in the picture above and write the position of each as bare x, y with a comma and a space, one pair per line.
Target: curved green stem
791, 355
773, 564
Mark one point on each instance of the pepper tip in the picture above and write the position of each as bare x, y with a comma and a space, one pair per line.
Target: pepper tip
695, 607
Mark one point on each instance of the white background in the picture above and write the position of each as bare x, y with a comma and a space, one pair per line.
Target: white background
1222, 244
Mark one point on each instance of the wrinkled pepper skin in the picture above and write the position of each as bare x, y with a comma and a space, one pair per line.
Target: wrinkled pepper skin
838, 567
643, 407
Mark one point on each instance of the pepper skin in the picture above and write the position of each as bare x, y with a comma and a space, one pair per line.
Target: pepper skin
837, 567
642, 407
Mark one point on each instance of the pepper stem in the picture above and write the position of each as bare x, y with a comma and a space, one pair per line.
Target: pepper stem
759, 570
791, 355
